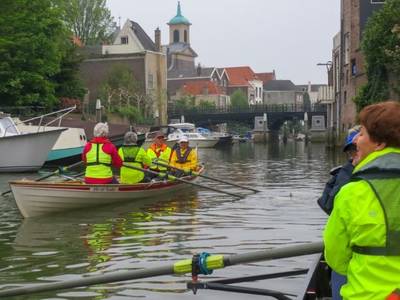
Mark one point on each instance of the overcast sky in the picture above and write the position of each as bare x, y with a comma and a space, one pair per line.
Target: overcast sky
288, 36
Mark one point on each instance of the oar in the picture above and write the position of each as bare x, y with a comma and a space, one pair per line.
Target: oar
212, 262
206, 176
57, 172
170, 177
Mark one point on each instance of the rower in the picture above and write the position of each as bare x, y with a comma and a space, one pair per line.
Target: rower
132, 155
184, 157
159, 151
99, 154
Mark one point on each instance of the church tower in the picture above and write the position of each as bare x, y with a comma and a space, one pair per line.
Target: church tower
179, 28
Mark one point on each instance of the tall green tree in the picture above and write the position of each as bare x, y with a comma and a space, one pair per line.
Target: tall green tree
89, 20
239, 99
380, 45
30, 51
68, 84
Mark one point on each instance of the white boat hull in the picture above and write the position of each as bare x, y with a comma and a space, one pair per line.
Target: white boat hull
203, 143
40, 198
26, 152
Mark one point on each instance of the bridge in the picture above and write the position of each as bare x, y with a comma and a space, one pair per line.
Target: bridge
276, 114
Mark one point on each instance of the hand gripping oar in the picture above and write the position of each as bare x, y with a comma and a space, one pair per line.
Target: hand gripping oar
206, 176
209, 263
170, 177
57, 172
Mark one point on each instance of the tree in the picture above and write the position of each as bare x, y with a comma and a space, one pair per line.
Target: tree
380, 45
306, 102
205, 105
124, 94
239, 99
31, 36
67, 82
89, 20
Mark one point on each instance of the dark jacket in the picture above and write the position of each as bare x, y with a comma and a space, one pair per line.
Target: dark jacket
340, 176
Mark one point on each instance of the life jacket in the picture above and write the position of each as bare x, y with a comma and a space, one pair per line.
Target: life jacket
162, 153
383, 176
98, 163
129, 155
182, 158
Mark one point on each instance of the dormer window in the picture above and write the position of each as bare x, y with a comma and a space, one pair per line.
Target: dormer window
124, 40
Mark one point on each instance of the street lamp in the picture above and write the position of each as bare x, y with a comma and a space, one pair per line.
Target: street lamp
328, 66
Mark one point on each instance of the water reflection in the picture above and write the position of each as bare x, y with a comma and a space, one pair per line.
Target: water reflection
153, 232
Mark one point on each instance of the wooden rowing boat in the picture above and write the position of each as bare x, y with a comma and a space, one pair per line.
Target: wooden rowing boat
41, 198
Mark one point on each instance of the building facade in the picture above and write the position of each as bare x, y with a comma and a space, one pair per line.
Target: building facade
132, 48
351, 73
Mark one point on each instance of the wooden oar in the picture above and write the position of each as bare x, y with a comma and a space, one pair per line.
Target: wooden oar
206, 176
212, 262
57, 172
170, 177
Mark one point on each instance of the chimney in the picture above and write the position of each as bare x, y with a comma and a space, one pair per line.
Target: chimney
157, 39
199, 70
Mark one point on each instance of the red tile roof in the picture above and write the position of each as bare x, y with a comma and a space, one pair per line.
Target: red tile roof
240, 76
198, 87
265, 77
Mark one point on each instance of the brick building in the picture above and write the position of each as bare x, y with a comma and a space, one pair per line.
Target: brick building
351, 73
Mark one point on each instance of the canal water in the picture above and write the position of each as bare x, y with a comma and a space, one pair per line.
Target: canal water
157, 232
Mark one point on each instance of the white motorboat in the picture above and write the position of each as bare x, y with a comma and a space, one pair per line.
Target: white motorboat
69, 144
24, 152
174, 132
196, 140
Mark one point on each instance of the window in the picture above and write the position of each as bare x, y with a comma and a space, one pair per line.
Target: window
150, 81
377, 1
124, 40
185, 36
353, 67
176, 36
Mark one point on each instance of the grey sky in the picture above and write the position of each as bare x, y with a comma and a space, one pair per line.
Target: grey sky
290, 36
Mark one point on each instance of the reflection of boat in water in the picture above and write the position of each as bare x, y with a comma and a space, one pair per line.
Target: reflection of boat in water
40, 198
23, 152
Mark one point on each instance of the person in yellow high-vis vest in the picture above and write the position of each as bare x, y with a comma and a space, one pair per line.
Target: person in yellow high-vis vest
99, 155
184, 157
159, 151
132, 155
362, 236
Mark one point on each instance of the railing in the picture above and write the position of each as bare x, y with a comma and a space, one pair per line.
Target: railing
63, 113
173, 109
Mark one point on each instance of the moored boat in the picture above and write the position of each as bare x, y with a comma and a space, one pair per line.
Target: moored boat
24, 152
40, 198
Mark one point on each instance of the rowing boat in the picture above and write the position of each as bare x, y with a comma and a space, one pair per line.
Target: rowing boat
41, 198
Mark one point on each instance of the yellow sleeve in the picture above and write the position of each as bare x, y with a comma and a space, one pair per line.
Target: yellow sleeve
193, 160
336, 237
143, 157
121, 153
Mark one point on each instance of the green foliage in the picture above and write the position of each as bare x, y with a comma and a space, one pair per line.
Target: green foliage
131, 113
31, 36
206, 105
185, 103
67, 82
90, 20
380, 46
123, 94
239, 99
306, 102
